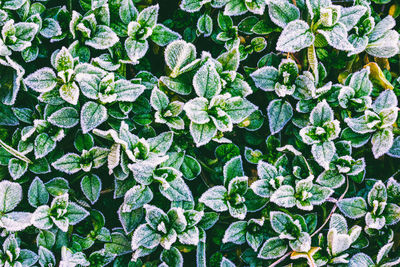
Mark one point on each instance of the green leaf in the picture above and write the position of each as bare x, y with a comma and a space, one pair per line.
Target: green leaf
162, 35
41, 218
239, 108
69, 163
37, 193
146, 237
235, 8
17, 168
206, 81
232, 169
136, 197
75, 213
191, 5
350, 16
205, 25
119, 245
295, 37
214, 198
158, 99
104, 37
361, 260
279, 114
148, 16
10, 195
323, 153
337, 37
353, 208
179, 55
130, 220
42, 80
236, 233
66, 117
282, 12
91, 187
92, 115
172, 257
273, 248
284, 196
136, 49
190, 167
44, 144
381, 142
202, 133
46, 257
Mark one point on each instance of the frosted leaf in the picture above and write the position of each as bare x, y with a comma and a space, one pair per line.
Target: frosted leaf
148, 16
202, 133
323, 153
236, 233
66, 117
103, 38
282, 12
239, 108
337, 37
146, 237
136, 49
70, 93
206, 81
284, 196
353, 208
41, 218
294, 37
178, 55
381, 142
273, 248
136, 197
92, 115
214, 198
279, 114
91, 187
158, 99
127, 91
350, 16
196, 110
69, 163
42, 80
10, 195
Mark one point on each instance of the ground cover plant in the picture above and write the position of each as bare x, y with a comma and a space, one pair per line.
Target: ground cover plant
199, 132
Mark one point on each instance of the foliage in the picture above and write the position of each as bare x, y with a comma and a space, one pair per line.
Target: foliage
221, 132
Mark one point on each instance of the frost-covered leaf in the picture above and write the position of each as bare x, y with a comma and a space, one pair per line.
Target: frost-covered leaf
91, 187
295, 37
282, 12
202, 133
273, 248
284, 196
37, 193
92, 115
69, 163
206, 81
104, 37
42, 80
353, 207
323, 153
10, 195
279, 114
66, 117
381, 142
215, 198
337, 37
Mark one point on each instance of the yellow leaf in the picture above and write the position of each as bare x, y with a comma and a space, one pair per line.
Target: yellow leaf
307, 255
377, 77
